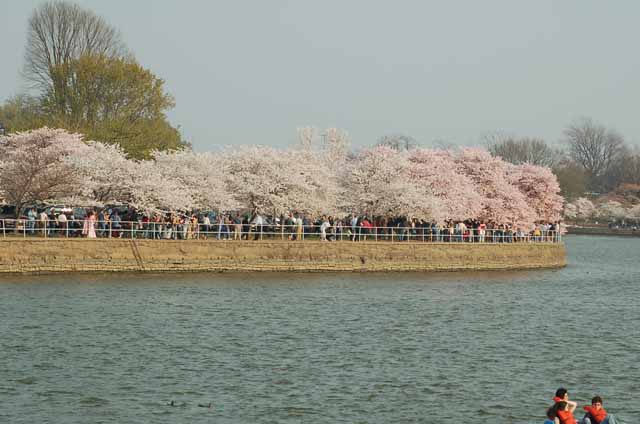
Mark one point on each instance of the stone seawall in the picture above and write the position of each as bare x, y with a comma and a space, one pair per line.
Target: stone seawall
110, 255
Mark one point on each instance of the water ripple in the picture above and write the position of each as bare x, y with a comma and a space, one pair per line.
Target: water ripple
332, 348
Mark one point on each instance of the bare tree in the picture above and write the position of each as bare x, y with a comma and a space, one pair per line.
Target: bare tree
306, 135
534, 151
60, 31
624, 170
398, 142
594, 147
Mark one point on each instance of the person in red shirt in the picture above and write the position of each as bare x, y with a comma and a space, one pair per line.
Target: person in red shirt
564, 412
564, 407
596, 414
365, 228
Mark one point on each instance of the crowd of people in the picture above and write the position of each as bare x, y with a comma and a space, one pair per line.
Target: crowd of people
129, 223
562, 411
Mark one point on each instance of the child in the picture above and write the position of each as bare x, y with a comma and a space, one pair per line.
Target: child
564, 412
563, 409
596, 414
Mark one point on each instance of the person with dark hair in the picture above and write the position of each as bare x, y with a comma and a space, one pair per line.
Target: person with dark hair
552, 417
563, 408
596, 414
561, 394
564, 412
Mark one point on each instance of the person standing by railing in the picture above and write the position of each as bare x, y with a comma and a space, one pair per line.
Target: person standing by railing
435, 232
43, 218
89, 225
102, 222
31, 220
462, 229
206, 225
482, 230
537, 233
228, 225
237, 227
290, 226
323, 228
552, 232
63, 224
354, 226
145, 225
222, 227
365, 228
299, 226
116, 224
188, 228
339, 229
257, 223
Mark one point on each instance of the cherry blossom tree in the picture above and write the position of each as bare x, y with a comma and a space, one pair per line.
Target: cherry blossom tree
435, 185
306, 137
274, 181
502, 202
151, 191
436, 172
336, 147
378, 183
107, 176
634, 213
33, 166
541, 189
611, 210
580, 209
104, 172
571, 212
202, 176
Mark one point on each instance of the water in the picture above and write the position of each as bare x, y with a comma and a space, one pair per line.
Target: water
326, 348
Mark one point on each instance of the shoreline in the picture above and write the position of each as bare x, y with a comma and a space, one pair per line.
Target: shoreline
597, 231
38, 256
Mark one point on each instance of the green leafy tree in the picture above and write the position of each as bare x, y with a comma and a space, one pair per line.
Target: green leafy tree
113, 100
573, 179
87, 82
21, 113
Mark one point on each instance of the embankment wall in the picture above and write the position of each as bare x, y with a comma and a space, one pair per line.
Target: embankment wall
107, 255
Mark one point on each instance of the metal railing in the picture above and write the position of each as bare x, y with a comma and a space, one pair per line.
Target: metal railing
229, 231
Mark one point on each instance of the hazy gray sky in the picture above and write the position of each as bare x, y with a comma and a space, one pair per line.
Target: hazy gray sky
251, 72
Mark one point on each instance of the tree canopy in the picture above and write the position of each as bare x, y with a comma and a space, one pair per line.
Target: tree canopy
87, 82
115, 101
59, 32
430, 184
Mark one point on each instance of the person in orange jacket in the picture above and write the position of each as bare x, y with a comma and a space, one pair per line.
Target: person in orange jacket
596, 414
564, 407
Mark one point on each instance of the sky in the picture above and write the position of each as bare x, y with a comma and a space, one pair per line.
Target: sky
442, 72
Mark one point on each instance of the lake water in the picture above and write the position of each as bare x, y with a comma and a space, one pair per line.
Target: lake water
324, 348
